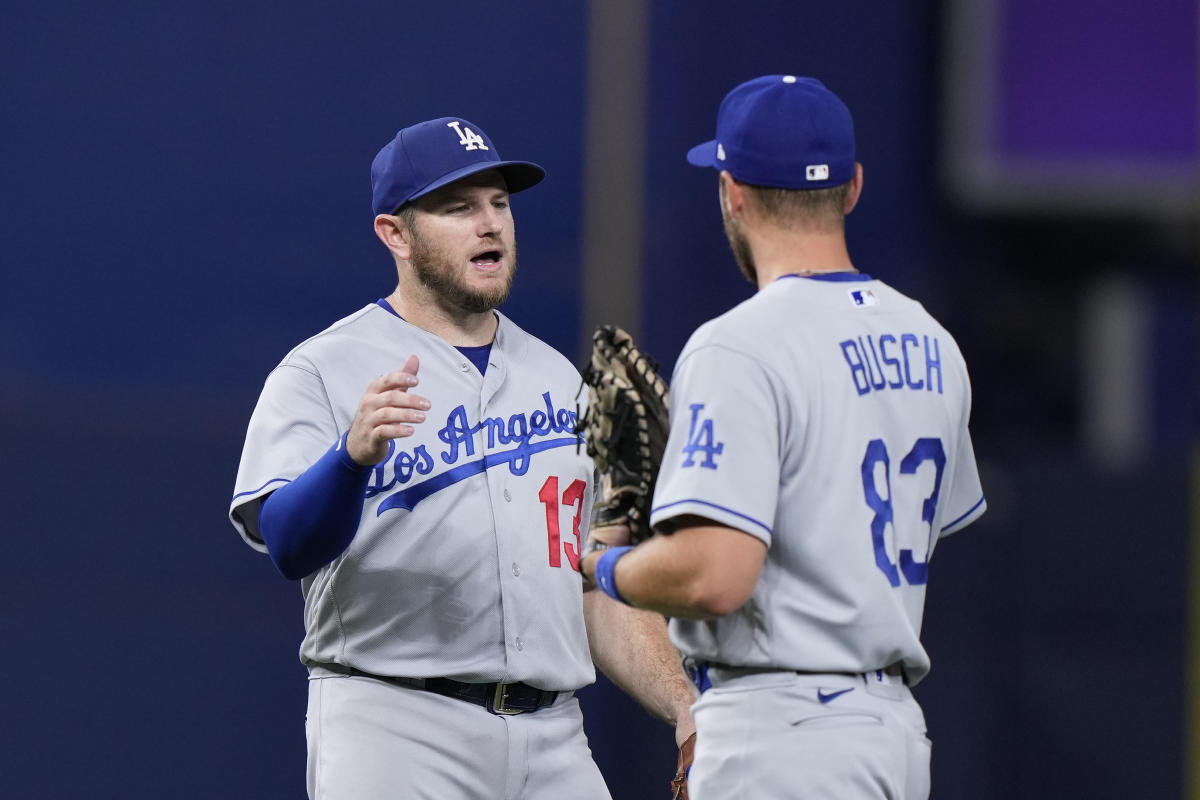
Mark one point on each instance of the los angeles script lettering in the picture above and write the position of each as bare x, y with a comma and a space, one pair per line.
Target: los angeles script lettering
459, 436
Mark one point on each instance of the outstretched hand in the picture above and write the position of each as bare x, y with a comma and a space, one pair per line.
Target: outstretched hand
599, 539
388, 411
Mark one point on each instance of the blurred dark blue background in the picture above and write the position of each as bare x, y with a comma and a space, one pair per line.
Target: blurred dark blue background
184, 196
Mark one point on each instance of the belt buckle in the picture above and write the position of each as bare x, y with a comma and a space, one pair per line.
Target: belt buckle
500, 701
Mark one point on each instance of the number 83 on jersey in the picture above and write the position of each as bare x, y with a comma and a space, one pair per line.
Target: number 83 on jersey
907, 502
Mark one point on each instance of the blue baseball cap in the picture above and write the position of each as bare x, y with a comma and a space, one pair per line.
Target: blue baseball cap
431, 154
781, 131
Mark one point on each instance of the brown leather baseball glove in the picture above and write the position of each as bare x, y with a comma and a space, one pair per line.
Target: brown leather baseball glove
687, 751
625, 429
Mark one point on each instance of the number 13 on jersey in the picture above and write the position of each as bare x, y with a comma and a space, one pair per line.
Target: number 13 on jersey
905, 532
572, 496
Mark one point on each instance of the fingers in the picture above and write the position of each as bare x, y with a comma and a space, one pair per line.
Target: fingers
391, 415
612, 535
388, 411
392, 389
587, 569
396, 398
382, 434
399, 379
396, 418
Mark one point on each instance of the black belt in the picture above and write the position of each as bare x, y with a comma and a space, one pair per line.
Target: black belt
497, 698
698, 671
896, 670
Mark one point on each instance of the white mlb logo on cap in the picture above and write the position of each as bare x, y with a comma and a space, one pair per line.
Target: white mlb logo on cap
817, 172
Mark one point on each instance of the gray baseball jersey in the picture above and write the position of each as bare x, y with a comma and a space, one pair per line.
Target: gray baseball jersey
465, 563
826, 416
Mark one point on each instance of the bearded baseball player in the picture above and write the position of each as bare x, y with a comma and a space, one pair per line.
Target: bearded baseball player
818, 451
415, 467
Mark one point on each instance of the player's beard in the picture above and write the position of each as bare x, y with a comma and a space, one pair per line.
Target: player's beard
741, 248
737, 242
437, 272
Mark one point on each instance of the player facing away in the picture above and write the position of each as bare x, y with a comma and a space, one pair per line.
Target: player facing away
415, 466
818, 451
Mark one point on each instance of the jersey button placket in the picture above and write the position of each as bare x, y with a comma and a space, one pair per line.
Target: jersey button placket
497, 478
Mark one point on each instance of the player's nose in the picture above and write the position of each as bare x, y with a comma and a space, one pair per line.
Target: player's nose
491, 222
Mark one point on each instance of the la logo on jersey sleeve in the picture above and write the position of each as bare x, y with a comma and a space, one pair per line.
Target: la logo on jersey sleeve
701, 441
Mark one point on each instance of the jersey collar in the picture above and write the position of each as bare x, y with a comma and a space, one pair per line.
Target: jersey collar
832, 277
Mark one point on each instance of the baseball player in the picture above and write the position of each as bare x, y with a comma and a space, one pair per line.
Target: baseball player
415, 466
818, 451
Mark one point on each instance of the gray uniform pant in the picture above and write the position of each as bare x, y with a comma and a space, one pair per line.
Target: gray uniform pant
783, 735
370, 740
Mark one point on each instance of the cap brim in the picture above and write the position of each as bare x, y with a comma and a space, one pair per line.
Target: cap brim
518, 176
704, 155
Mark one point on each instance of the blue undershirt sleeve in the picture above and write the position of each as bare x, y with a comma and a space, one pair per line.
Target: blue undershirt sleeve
310, 521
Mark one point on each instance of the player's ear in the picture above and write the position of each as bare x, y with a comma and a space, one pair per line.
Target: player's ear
733, 196
394, 233
856, 185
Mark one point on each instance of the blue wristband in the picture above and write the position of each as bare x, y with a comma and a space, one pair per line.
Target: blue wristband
604, 572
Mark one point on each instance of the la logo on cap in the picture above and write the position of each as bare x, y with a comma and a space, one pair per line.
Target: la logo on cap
817, 172
467, 137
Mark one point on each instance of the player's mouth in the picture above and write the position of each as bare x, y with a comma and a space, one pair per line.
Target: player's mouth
488, 260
